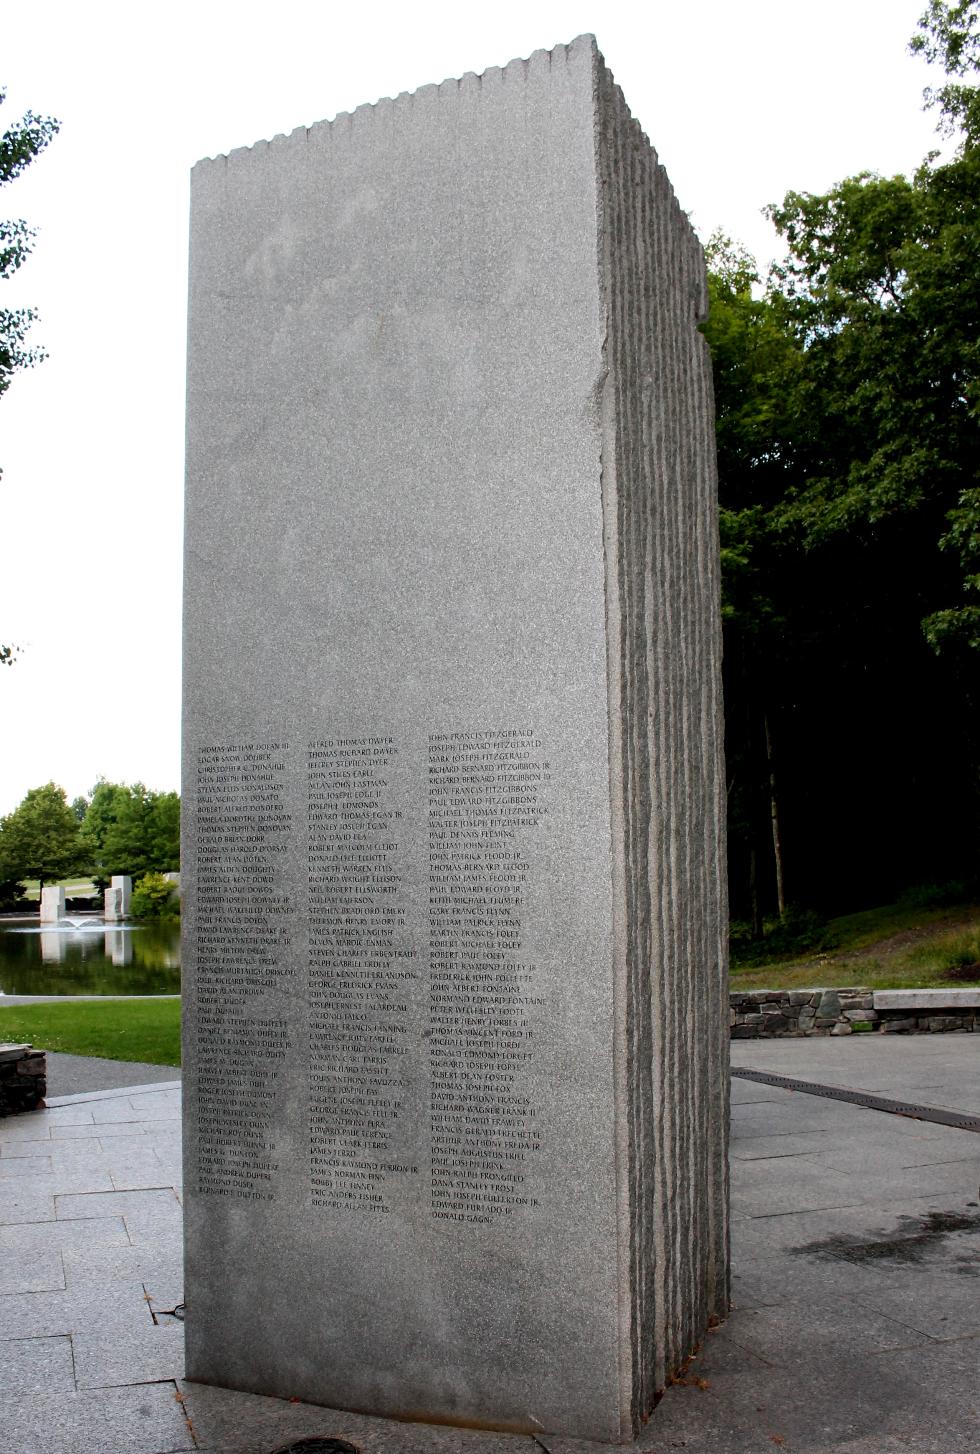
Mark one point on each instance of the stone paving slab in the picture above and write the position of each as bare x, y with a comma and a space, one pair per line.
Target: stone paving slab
145, 1419
946, 1075
22, 1270
19, 1203
108, 1358
45, 1236
160, 1203
27, 1364
122, 1308
29, 1165
148, 1265
71, 1074
848, 1335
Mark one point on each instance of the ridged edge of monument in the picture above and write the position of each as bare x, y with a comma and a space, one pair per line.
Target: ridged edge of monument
665, 754
344, 120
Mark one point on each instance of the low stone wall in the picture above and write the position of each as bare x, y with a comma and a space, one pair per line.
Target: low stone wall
22, 1078
755, 1014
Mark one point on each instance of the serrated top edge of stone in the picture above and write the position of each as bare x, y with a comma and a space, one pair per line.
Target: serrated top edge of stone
345, 119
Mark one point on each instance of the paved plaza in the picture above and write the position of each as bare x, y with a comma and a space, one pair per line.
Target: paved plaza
856, 1235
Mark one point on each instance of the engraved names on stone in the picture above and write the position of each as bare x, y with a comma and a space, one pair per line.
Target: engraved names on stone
242, 943
487, 798
363, 978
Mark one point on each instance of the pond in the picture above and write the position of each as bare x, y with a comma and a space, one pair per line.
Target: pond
88, 958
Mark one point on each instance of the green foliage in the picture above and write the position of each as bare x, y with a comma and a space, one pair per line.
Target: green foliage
890, 947
40, 838
11, 893
795, 932
128, 829
848, 400
154, 897
950, 36
19, 145
962, 953
936, 896
882, 283
127, 1029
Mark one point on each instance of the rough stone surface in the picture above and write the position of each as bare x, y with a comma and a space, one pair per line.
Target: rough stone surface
946, 999
52, 904
22, 1078
124, 884
456, 1050
757, 1014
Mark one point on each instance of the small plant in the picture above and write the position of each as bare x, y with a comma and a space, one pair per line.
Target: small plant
154, 897
796, 931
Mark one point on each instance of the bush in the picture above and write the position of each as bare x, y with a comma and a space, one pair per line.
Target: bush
797, 931
154, 897
12, 896
936, 896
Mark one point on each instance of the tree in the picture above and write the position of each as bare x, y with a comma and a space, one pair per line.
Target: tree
949, 35
19, 145
758, 367
40, 838
129, 829
103, 808
849, 441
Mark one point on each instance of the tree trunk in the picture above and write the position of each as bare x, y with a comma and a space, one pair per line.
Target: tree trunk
754, 894
777, 846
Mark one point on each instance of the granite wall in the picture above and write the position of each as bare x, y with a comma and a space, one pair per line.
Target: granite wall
454, 962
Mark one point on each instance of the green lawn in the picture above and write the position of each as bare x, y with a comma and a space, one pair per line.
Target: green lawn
124, 1029
75, 888
894, 947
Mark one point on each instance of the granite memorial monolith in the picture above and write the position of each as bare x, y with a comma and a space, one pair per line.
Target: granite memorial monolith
52, 903
456, 1048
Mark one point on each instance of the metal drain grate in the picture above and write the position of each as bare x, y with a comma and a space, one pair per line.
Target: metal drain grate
960, 1119
318, 1445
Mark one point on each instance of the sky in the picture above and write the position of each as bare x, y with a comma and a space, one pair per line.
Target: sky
743, 101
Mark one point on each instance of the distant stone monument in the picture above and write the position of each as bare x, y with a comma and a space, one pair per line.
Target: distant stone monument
456, 1043
117, 897
52, 903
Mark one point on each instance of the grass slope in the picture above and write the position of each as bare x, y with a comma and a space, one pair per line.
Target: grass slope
128, 1029
894, 947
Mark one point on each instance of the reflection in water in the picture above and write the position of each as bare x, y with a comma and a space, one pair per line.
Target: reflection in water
119, 946
52, 947
92, 959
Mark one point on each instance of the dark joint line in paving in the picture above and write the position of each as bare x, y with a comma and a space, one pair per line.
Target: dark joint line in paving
960, 1119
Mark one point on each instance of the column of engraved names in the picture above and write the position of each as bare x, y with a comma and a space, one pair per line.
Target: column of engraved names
487, 792
242, 947
362, 974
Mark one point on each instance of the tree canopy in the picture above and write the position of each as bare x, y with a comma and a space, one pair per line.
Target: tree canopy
129, 829
19, 145
40, 838
849, 447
